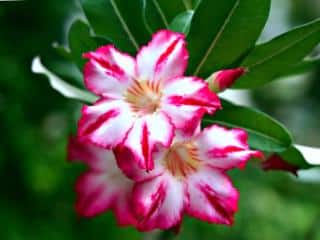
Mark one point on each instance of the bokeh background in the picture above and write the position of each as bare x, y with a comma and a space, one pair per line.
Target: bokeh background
36, 194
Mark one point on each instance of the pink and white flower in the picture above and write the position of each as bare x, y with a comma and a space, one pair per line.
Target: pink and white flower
103, 187
143, 99
189, 177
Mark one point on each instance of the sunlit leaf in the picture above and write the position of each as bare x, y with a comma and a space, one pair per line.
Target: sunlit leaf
59, 61
60, 85
181, 23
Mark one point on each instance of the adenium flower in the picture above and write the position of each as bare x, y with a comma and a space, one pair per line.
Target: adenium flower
103, 186
143, 99
221, 80
189, 177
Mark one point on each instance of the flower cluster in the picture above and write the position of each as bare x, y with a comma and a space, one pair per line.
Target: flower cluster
149, 161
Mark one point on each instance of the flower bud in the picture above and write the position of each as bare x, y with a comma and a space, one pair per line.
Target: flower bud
223, 79
275, 162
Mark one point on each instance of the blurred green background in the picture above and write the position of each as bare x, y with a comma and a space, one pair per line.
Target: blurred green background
36, 197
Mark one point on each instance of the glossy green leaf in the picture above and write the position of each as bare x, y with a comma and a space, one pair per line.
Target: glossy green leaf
265, 133
59, 61
61, 86
195, 3
293, 155
222, 31
181, 23
159, 13
121, 21
80, 41
302, 67
191, 4
61, 51
268, 60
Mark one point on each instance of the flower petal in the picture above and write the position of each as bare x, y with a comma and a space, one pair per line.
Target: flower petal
92, 198
145, 133
212, 196
104, 186
165, 57
123, 211
95, 157
105, 123
158, 203
99, 192
128, 164
223, 148
186, 100
108, 72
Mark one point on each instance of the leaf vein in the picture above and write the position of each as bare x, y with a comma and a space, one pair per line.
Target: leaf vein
163, 17
282, 50
124, 25
215, 40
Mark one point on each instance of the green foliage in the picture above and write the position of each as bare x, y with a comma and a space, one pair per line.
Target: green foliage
293, 155
269, 60
119, 21
81, 41
221, 32
159, 13
265, 133
182, 22
37, 198
59, 61
221, 35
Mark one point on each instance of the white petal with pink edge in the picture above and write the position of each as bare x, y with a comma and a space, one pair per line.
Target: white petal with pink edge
184, 118
146, 132
108, 72
159, 202
105, 123
98, 192
183, 86
186, 100
224, 148
212, 197
163, 58
97, 158
103, 186
128, 164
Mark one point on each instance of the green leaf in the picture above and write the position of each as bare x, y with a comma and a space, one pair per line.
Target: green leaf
293, 155
191, 4
61, 51
60, 85
181, 23
265, 133
59, 61
223, 31
268, 60
120, 21
195, 3
80, 41
159, 13
302, 67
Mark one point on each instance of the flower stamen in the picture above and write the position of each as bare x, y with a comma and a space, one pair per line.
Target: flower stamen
144, 97
182, 159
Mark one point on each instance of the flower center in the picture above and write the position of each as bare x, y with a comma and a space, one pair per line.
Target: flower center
144, 97
182, 159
